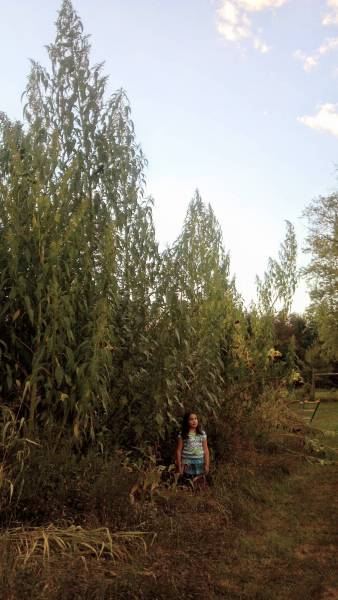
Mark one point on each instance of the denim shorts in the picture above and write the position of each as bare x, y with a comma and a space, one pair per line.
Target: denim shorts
195, 467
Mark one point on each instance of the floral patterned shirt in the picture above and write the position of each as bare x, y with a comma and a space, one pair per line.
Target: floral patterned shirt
193, 447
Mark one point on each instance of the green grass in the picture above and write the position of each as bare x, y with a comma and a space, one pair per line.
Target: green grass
322, 394
326, 419
288, 551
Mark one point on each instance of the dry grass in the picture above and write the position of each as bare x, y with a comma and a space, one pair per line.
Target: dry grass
47, 542
265, 530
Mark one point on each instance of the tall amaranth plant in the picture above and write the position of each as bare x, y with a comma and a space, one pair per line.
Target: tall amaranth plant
71, 208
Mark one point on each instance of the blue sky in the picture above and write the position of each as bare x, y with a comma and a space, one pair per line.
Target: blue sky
238, 98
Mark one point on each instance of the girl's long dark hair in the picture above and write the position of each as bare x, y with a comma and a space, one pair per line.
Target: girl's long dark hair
185, 424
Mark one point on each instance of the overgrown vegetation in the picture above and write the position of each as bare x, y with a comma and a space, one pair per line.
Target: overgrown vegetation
322, 243
103, 337
105, 341
106, 527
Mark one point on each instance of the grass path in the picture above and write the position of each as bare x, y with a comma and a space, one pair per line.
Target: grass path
278, 542
267, 530
291, 552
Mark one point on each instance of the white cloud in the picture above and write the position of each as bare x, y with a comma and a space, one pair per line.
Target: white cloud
229, 12
235, 25
311, 60
329, 44
261, 46
257, 5
331, 18
308, 61
326, 119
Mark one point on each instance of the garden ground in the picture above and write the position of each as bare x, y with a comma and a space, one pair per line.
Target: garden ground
268, 529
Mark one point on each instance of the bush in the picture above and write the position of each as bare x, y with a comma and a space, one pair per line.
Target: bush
64, 487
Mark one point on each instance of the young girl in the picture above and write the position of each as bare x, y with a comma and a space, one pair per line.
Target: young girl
192, 454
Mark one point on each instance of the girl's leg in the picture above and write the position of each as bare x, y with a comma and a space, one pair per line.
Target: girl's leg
187, 475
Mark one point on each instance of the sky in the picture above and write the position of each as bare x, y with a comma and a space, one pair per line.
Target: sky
238, 98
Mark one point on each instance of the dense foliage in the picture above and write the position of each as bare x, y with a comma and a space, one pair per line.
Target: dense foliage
322, 271
100, 333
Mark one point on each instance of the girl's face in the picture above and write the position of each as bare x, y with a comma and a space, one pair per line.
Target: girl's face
193, 421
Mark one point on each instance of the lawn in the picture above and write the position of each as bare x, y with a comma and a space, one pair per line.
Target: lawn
326, 419
327, 395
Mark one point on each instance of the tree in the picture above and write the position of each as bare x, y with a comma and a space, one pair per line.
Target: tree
280, 278
274, 297
322, 271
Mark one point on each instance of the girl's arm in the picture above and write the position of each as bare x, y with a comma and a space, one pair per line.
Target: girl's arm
206, 456
179, 455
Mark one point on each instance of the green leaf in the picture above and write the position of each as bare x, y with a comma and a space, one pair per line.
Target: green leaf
59, 375
29, 309
159, 419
